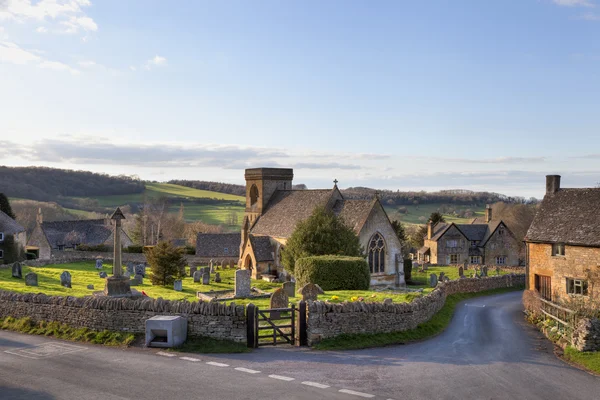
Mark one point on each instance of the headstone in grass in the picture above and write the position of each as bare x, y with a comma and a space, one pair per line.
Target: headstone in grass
484, 271
99, 263
210, 263
178, 285
466, 265
242, 283
279, 299
217, 278
65, 279
461, 272
289, 288
197, 276
310, 291
31, 279
433, 280
130, 268
102, 274
442, 274
140, 269
127, 274
231, 264
223, 264
211, 269
90, 287
206, 278
192, 270
498, 271
137, 280
17, 271
388, 301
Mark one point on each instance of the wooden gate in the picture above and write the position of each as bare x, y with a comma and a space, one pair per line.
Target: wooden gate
275, 326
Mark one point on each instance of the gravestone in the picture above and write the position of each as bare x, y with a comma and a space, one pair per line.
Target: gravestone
17, 271
130, 268
211, 269
441, 278
137, 280
65, 279
127, 274
461, 272
231, 264
140, 269
90, 287
242, 283
197, 276
98, 263
310, 291
223, 264
192, 270
388, 301
217, 278
31, 279
498, 271
425, 267
484, 271
206, 278
210, 263
466, 265
102, 274
289, 288
279, 299
178, 285
433, 280
446, 279
319, 290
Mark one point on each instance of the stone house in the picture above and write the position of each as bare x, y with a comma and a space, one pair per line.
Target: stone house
14, 235
563, 244
488, 242
49, 239
218, 246
273, 209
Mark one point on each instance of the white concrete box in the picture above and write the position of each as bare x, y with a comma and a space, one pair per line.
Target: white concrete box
166, 331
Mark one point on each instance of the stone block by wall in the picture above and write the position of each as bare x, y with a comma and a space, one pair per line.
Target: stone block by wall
586, 335
327, 320
216, 320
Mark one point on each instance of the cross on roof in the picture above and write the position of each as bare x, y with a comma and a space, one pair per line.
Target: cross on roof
335, 182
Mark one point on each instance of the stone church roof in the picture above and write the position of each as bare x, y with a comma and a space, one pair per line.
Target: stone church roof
90, 231
218, 245
353, 212
263, 250
8, 225
570, 216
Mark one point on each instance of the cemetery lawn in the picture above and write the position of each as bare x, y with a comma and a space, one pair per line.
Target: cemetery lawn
85, 273
589, 360
431, 328
422, 278
65, 332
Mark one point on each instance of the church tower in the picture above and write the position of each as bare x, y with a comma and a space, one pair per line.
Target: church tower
261, 184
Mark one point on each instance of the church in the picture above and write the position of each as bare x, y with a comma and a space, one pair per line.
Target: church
274, 208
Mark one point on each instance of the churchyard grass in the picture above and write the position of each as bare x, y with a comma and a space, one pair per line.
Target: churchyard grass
433, 327
449, 270
589, 360
65, 332
210, 345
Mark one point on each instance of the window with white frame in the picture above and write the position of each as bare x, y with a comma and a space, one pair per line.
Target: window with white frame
501, 260
1, 236
474, 259
558, 249
452, 243
577, 286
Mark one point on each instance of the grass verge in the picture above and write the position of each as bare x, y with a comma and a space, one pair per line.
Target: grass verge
209, 345
589, 360
65, 332
433, 327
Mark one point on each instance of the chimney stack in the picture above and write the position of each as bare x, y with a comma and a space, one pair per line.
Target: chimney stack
39, 218
488, 213
552, 184
429, 230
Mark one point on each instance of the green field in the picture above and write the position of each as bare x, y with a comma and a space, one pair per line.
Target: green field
415, 212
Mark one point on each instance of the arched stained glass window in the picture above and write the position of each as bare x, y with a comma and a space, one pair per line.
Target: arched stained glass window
377, 254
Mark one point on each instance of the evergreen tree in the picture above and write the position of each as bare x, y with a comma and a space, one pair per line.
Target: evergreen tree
323, 233
5, 206
400, 231
166, 262
436, 217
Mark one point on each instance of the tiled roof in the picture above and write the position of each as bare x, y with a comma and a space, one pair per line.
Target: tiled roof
353, 212
570, 216
473, 231
263, 250
91, 232
423, 250
438, 230
286, 209
8, 225
215, 244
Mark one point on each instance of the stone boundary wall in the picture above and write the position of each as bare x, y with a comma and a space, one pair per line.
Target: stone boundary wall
216, 320
327, 320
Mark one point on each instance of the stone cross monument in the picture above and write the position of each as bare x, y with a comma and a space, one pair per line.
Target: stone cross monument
117, 285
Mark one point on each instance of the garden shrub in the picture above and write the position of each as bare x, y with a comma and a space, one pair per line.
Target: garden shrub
333, 272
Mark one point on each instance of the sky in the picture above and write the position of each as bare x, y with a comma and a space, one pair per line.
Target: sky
402, 95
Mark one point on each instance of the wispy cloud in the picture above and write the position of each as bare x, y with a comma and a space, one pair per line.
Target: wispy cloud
574, 3
74, 24
13, 54
497, 160
42, 29
156, 61
590, 17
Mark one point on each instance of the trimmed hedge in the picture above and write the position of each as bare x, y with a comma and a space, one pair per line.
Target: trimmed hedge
98, 247
333, 272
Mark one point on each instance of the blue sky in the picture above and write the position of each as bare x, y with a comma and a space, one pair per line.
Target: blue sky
482, 95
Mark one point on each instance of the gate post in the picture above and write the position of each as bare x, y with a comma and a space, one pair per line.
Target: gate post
251, 325
302, 334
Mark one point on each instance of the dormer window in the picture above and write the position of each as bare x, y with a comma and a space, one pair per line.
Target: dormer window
225, 250
558, 249
473, 243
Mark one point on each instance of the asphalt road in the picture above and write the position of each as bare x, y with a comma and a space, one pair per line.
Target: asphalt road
488, 352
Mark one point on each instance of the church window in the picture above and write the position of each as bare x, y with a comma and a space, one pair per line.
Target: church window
377, 254
253, 195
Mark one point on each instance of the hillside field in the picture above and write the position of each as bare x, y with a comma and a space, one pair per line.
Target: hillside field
415, 212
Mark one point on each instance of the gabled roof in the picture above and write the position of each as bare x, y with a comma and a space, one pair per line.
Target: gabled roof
8, 225
570, 216
262, 247
91, 232
474, 231
214, 244
287, 208
354, 212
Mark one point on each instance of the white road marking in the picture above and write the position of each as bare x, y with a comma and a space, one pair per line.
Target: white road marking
315, 384
45, 350
355, 393
192, 359
281, 378
250, 371
217, 364
162, 353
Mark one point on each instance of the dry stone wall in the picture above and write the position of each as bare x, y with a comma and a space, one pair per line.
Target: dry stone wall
216, 320
327, 320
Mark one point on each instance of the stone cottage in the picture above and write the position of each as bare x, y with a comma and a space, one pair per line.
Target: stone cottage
487, 242
11, 234
49, 239
273, 209
218, 247
563, 244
